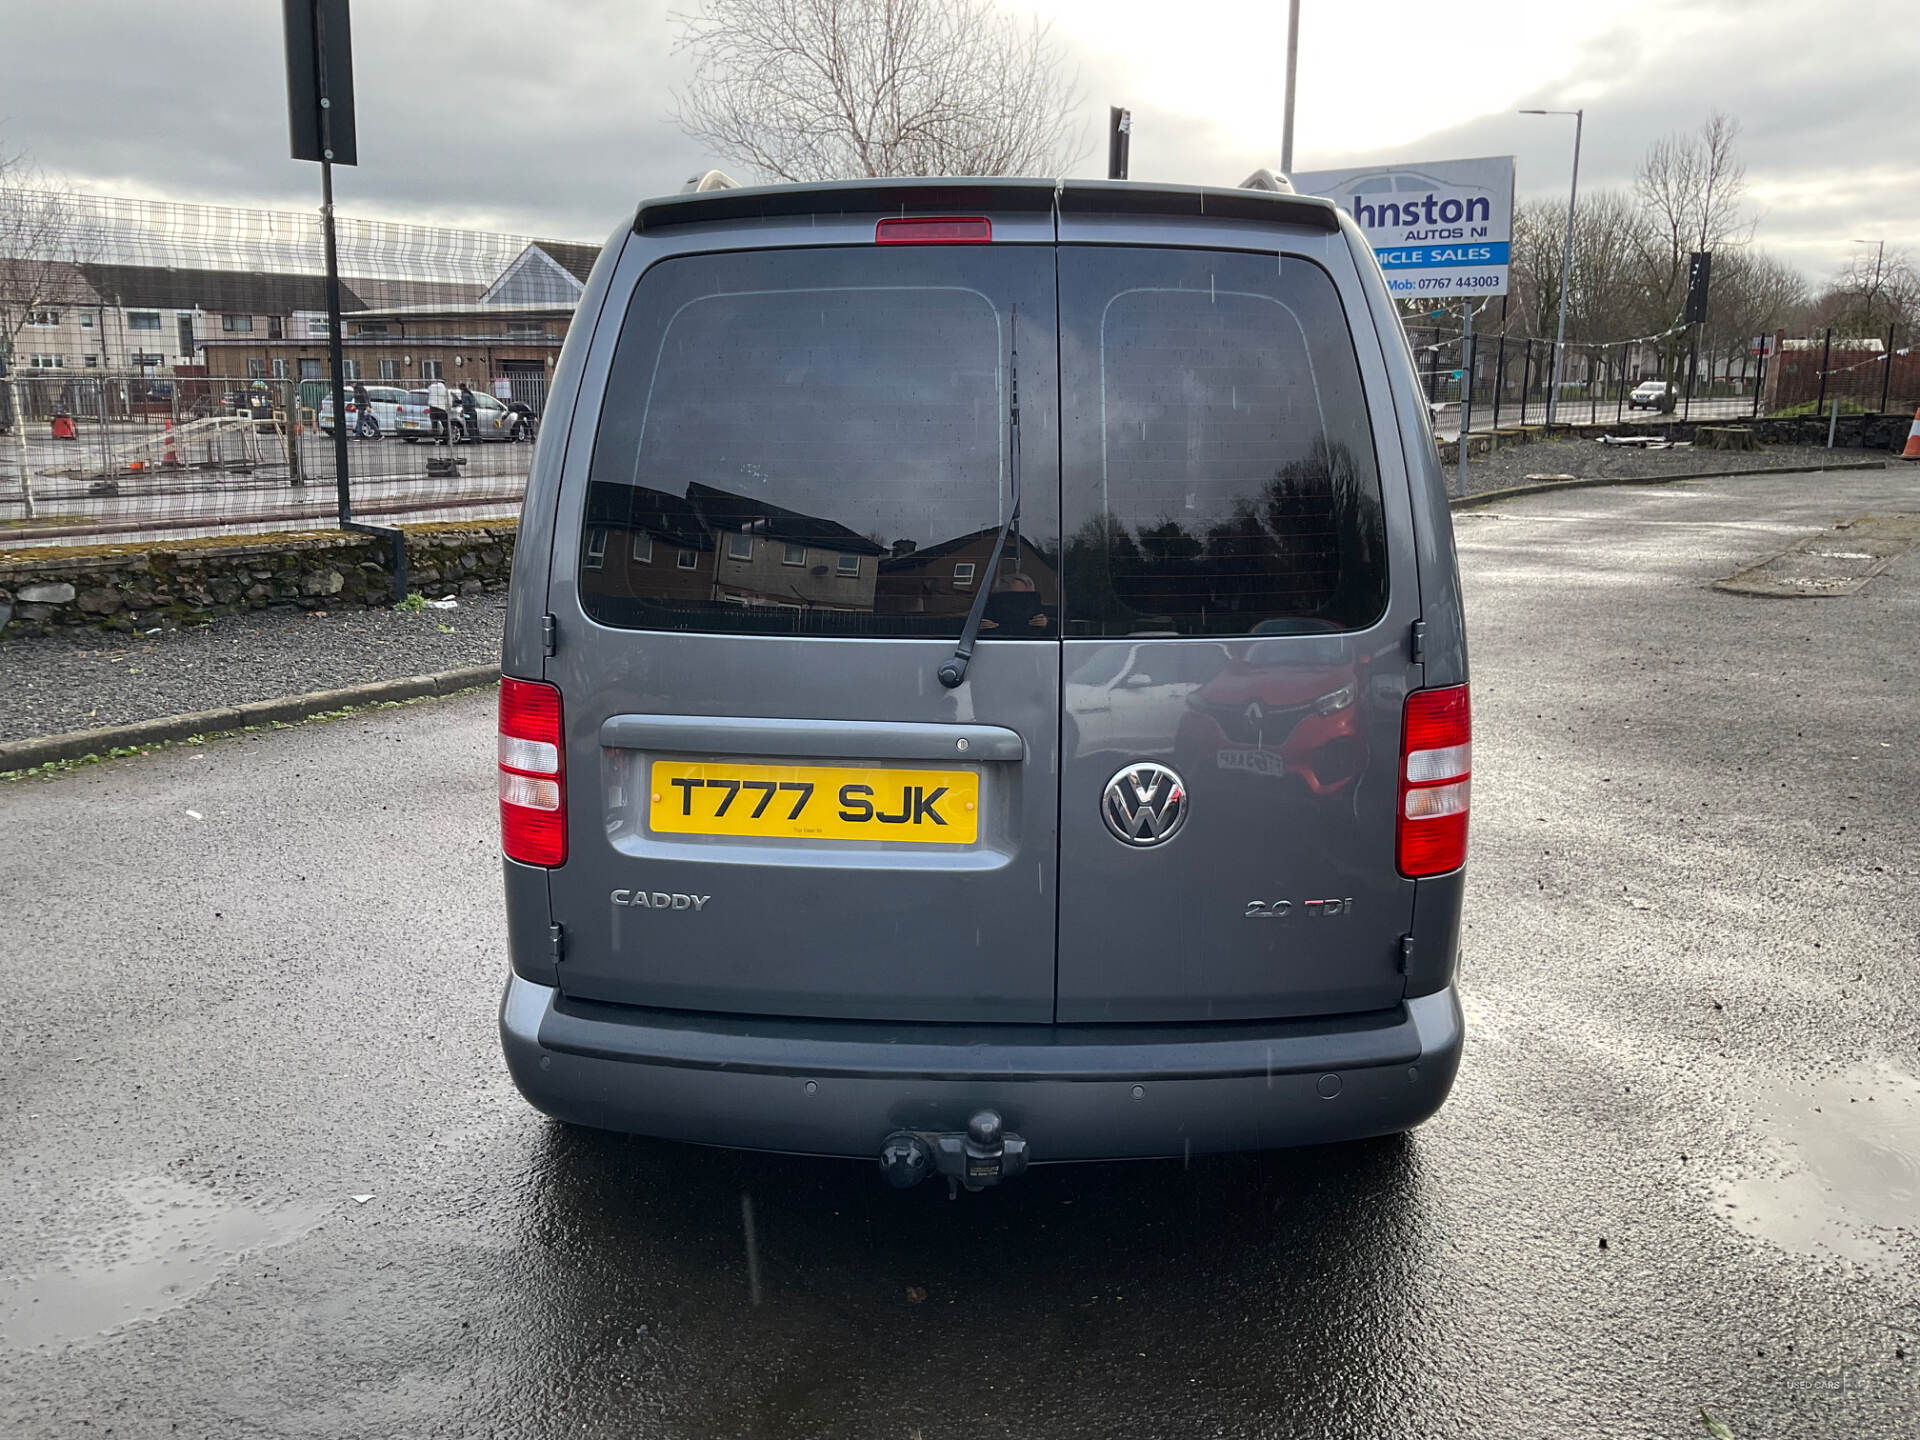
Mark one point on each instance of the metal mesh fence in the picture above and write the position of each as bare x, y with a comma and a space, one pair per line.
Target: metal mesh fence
115, 458
166, 370
1708, 378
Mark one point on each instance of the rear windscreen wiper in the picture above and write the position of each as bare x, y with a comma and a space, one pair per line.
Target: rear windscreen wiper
953, 671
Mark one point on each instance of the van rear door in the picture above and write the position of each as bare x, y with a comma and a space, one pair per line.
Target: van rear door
1239, 597
795, 489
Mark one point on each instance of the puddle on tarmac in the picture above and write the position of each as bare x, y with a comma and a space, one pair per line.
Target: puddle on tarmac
1850, 1147
165, 1242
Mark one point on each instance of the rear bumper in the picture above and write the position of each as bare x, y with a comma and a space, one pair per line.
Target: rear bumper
1074, 1092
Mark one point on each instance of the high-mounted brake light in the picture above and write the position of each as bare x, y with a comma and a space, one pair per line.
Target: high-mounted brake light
1436, 768
533, 776
945, 230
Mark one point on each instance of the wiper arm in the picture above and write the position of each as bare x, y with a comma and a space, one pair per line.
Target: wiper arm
953, 671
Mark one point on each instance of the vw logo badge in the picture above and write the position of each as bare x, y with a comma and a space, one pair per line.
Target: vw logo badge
1145, 804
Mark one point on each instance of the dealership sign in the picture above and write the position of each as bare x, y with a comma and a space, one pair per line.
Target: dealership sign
1439, 229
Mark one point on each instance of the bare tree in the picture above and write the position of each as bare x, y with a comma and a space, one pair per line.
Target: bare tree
1539, 229
43, 242
43, 239
1873, 290
1688, 191
1753, 294
831, 89
1601, 288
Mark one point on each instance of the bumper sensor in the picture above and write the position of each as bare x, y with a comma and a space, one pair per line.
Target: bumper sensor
985, 1155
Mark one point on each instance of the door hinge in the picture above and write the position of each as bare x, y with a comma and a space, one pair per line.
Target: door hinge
1406, 954
549, 635
1419, 642
557, 942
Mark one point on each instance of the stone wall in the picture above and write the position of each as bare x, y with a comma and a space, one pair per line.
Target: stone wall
138, 587
1854, 432
1876, 434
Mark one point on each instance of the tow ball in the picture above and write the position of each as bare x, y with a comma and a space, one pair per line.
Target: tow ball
984, 1156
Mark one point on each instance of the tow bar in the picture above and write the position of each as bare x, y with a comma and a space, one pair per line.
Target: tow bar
984, 1156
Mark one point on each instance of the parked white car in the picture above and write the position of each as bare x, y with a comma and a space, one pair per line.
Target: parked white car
1647, 395
497, 420
1116, 691
384, 401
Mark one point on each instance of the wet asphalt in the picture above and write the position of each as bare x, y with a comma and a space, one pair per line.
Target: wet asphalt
265, 1175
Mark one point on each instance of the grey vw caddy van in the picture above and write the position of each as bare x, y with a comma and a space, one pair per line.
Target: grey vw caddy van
985, 684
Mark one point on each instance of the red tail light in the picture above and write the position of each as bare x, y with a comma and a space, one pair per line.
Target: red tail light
1436, 766
533, 776
947, 230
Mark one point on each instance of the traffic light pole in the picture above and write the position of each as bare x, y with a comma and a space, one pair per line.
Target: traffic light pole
335, 363
314, 15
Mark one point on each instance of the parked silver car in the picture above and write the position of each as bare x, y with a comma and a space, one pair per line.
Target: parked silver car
384, 402
496, 419
801, 855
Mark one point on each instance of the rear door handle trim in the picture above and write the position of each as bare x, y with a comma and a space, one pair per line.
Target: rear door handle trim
812, 739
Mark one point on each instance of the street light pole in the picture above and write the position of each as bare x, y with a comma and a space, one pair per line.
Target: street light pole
1293, 61
1566, 259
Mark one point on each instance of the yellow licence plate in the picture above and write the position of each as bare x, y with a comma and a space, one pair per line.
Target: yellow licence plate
815, 802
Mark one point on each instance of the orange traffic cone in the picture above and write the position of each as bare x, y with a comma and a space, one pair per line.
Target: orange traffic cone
1912, 452
171, 456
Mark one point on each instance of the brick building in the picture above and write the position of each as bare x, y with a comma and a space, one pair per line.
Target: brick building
411, 345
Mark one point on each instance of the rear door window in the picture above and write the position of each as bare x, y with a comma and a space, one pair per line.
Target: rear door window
1219, 472
819, 438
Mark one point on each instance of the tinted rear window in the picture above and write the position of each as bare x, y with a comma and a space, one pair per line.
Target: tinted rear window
1220, 473
815, 442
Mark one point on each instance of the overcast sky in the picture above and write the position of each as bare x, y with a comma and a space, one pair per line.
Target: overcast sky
550, 117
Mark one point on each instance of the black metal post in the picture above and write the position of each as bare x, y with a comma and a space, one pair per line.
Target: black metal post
1620, 400
335, 358
1499, 377
1760, 377
1466, 388
1826, 353
1593, 396
1693, 365
1119, 141
341, 487
1526, 378
1886, 372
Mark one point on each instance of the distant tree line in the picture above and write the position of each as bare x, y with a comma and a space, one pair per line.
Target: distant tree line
1631, 249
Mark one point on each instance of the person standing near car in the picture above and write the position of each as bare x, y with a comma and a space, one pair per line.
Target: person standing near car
363, 428
469, 412
437, 412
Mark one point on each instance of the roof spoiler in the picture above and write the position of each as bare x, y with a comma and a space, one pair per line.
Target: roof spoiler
725, 201
722, 201
1275, 206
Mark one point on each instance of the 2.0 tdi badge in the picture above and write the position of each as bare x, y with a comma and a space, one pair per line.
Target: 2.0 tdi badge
1145, 804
